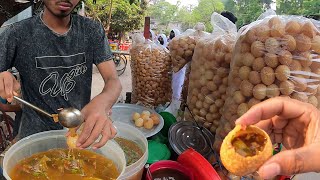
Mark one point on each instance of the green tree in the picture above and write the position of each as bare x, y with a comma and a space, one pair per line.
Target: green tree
163, 11
248, 11
230, 5
117, 15
203, 12
126, 17
309, 8
293, 7
184, 16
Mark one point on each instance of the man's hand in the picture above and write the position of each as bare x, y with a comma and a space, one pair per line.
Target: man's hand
8, 85
97, 111
294, 124
96, 123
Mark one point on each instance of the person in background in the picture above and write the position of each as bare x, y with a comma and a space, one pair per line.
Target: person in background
173, 33
54, 52
153, 37
230, 16
294, 124
177, 82
162, 39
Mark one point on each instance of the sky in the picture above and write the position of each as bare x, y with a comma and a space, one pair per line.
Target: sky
184, 2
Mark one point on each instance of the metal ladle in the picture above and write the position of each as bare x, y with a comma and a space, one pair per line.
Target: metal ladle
68, 117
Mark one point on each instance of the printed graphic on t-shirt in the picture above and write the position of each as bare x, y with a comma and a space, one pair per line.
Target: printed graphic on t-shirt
73, 66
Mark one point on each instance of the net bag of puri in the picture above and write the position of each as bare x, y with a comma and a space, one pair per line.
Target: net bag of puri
151, 69
181, 50
182, 47
275, 56
208, 79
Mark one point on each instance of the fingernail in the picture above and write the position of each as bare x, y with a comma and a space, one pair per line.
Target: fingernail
269, 171
78, 144
94, 148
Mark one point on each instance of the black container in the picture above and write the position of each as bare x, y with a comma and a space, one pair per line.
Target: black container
186, 134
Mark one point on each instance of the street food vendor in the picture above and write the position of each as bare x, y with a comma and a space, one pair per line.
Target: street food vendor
54, 53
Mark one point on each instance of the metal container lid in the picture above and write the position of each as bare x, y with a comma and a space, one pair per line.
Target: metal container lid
186, 134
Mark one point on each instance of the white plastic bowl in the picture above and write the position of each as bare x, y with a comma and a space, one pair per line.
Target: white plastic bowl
45, 141
135, 170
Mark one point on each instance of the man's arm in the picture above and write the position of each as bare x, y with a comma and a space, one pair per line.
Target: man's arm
112, 87
97, 111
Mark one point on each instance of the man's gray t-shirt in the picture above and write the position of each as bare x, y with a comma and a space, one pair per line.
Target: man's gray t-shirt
55, 70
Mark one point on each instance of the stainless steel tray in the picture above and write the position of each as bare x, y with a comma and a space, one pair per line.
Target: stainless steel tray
123, 113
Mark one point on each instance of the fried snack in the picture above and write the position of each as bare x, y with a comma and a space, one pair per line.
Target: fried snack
144, 119
244, 151
72, 141
282, 61
209, 78
151, 68
135, 116
155, 119
182, 47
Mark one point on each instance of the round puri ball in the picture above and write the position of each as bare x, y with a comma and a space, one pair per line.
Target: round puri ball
300, 84
219, 103
308, 29
295, 65
211, 86
263, 32
272, 45
257, 49
148, 124
251, 36
286, 87
259, 91
313, 100
271, 60
273, 91
301, 96
244, 47
252, 102
244, 72
305, 59
282, 72
258, 64
289, 42
213, 108
242, 108
274, 21
239, 164
135, 116
72, 141
227, 58
315, 45
278, 30
303, 42
293, 27
247, 59
139, 122
155, 119
238, 97
267, 75
246, 88
254, 77
285, 57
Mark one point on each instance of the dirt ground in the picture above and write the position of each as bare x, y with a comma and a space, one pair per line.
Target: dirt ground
125, 78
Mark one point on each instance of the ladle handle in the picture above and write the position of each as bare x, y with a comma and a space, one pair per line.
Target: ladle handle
32, 106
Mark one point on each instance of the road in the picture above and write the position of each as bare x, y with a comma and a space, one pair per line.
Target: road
125, 79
